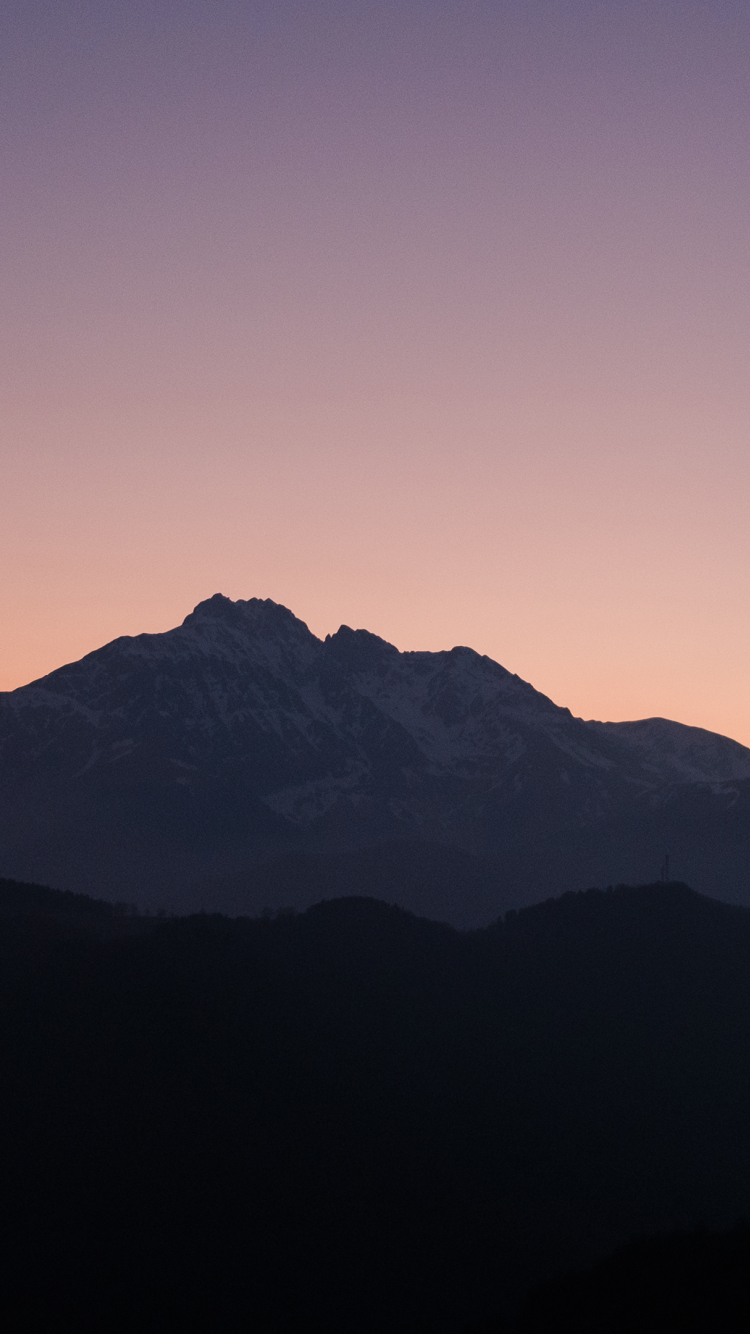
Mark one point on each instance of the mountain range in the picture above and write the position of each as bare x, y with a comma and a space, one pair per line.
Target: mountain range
238, 762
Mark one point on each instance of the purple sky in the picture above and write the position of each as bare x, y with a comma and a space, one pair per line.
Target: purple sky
429, 318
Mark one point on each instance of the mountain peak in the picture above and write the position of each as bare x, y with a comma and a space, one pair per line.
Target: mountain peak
252, 613
199, 752
223, 608
357, 650
211, 606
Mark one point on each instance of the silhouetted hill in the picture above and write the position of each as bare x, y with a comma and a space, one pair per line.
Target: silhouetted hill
683, 1282
21, 899
238, 761
353, 1118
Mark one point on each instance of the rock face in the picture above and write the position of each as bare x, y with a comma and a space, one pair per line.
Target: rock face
238, 761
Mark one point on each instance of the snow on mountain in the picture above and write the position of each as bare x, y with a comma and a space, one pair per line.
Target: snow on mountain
239, 736
675, 752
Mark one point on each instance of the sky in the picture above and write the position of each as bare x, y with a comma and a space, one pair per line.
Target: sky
427, 318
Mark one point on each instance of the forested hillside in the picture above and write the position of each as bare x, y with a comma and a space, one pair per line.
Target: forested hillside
354, 1118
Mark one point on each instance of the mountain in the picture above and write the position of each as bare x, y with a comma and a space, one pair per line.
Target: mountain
238, 762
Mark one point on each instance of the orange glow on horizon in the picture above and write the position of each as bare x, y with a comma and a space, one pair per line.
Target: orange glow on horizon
435, 329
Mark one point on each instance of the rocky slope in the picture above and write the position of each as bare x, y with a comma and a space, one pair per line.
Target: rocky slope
239, 761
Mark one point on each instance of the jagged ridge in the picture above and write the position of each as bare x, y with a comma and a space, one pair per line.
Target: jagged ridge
196, 755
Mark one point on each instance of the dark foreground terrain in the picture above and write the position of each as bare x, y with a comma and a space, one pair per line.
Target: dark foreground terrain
354, 1119
675, 1284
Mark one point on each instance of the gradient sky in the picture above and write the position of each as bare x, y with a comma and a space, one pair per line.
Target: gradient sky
430, 318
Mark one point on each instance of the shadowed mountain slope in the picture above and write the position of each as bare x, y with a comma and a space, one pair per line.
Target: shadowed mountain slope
234, 759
